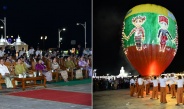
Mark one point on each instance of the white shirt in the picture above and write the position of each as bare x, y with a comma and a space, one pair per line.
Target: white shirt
147, 81
3, 69
21, 53
179, 83
171, 80
1, 53
168, 82
155, 82
27, 65
140, 81
90, 52
38, 52
132, 81
82, 63
163, 82
31, 51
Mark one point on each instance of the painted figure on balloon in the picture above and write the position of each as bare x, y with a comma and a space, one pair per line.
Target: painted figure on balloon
138, 31
163, 33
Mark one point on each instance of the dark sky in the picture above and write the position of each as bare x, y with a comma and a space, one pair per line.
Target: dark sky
108, 18
32, 19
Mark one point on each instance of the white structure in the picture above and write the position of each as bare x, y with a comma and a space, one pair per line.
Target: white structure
94, 72
3, 42
19, 45
122, 73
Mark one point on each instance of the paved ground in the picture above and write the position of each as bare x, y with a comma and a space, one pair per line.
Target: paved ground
120, 99
13, 102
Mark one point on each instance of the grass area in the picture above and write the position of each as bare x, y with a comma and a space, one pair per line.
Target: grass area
73, 82
62, 83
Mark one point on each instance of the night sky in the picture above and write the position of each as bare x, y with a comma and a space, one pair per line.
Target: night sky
108, 16
31, 19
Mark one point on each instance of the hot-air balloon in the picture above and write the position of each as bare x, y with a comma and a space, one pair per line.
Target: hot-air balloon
150, 38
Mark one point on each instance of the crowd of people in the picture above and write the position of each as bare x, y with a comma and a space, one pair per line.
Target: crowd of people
140, 86
162, 85
100, 84
45, 62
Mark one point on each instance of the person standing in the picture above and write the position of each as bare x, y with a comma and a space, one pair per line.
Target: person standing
7, 50
116, 84
147, 83
80, 50
172, 86
31, 52
162, 81
155, 88
132, 86
140, 87
168, 87
21, 52
38, 52
180, 83
136, 86
13, 52
1, 52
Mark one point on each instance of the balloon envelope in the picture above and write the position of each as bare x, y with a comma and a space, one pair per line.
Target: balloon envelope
150, 38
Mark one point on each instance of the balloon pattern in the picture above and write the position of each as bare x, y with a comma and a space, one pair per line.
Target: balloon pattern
150, 38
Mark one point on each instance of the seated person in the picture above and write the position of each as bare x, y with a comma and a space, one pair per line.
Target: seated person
34, 57
20, 67
84, 65
55, 66
5, 74
41, 67
69, 64
89, 61
26, 62
10, 59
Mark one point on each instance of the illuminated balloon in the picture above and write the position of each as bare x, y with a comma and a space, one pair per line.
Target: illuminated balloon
150, 38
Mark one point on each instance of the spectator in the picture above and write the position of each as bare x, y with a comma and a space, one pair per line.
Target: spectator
13, 52
38, 52
80, 50
21, 52
43, 70
5, 74
20, 67
55, 66
31, 51
1, 52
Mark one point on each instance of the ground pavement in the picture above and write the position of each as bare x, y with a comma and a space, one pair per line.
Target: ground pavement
13, 102
120, 99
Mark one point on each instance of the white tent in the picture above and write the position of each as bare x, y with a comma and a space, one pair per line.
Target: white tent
3, 42
19, 45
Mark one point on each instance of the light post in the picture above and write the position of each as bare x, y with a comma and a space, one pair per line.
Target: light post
59, 37
84, 25
43, 38
4, 22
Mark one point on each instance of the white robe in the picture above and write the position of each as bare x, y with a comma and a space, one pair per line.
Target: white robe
3, 70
